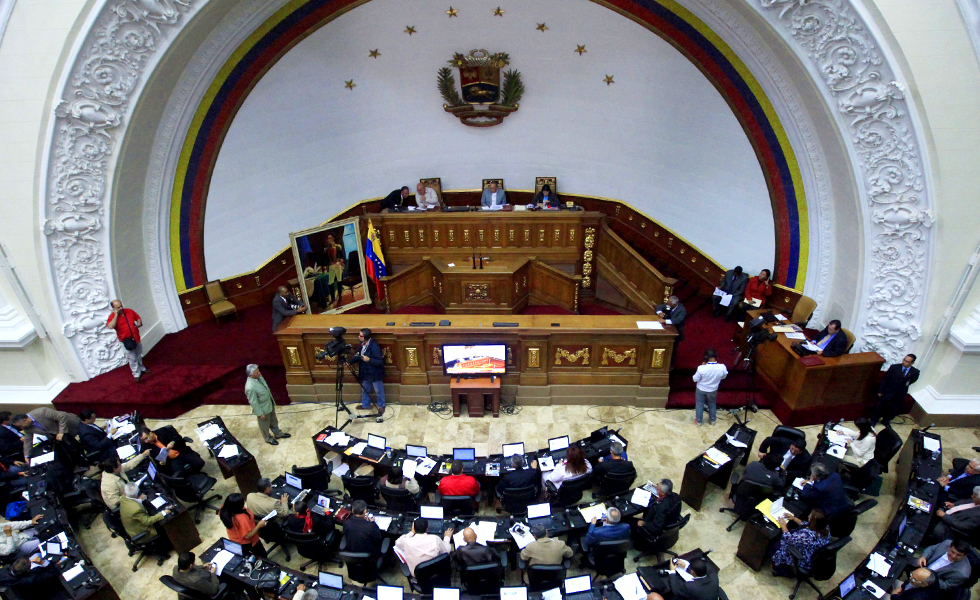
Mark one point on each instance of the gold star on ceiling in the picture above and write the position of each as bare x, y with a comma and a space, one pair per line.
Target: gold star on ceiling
350, 84
410, 29
609, 79
374, 53
580, 49
542, 27
452, 12
498, 12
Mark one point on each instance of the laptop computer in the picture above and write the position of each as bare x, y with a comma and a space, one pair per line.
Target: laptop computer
389, 592
375, 447
539, 514
467, 456
511, 450
579, 588
445, 594
322, 505
330, 586
416, 451
151, 470
558, 447
513, 593
434, 515
235, 549
294, 481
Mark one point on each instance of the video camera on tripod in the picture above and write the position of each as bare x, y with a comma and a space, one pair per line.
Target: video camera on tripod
337, 348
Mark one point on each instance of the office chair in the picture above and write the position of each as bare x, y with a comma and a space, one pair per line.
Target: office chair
312, 546
482, 580
746, 495
570, 492
93, 495
887, 445
788, 432
361, 487
614, 484
192, 490
364, 567
275, 535
823, 565
146, 543
398, 499
316, 477
658, 546
841, 525
515, 500
963, 592
609, 557
186, 593
860, 479
433, 573
457, 506
545, 577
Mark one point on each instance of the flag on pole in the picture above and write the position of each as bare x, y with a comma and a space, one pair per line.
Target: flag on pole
375, 263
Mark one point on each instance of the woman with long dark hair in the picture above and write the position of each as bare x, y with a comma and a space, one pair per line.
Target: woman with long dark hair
860, 443
572, 467
805, 539
241, 526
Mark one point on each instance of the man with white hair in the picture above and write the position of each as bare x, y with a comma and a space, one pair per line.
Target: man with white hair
304, 594
958, 485
263, 405
425, 197
611, 530
134, 517
961, 516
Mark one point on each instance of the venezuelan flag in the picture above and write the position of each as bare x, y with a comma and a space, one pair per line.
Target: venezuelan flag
375, 263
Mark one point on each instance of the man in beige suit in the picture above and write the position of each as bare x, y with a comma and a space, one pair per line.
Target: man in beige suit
262, 503
114, 477
47, 422
134, 517
545, 550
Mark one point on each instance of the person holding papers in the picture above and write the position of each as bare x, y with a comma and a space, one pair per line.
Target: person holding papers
805, 539
114, 478
831, 341
492, 197
545, 550
708, 377
860, 443
732, 284
825, 490
664, 509
262, 503
133, 515
473, 553
419, 545
199, 578
757, 290
240, 525
947, 560
94, 438
610, 530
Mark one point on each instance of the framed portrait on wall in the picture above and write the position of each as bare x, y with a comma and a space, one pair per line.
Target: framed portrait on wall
329, 263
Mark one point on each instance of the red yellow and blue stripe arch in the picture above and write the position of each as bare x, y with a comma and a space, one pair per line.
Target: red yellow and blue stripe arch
299, 18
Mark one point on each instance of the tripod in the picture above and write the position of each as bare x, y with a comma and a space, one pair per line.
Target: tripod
339, 403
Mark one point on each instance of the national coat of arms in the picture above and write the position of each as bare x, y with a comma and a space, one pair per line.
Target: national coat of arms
485, 102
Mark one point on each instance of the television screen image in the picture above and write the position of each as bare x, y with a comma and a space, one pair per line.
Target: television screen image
487, 359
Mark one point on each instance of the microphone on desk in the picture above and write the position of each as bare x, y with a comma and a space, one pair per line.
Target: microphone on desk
928, 427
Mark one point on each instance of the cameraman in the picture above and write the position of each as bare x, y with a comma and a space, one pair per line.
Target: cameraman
372, 372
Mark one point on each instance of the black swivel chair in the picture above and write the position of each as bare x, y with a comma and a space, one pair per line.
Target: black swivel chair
192, 491
482, 580
615, 484
649, 545
312, 546
364, 567
362, 487
275, 535
823, 565
842, 524
433, 573
746, 495
147, 543
791, 433
458, 506
856, 480
186, 593
609, 557
515, 500
398, 499
963, 592
95, 505
887, 445
570, 492
545, 577
316, 477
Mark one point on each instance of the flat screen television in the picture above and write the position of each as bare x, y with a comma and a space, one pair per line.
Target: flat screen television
471, 361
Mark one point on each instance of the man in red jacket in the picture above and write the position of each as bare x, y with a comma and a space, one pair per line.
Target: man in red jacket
127, 325
458, 484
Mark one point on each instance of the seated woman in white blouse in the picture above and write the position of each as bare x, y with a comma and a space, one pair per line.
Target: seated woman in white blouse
861, 443
572, 467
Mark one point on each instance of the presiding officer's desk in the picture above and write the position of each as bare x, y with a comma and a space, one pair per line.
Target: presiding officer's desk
843, 386
581, 353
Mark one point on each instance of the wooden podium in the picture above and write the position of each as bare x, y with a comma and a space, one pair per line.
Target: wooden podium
476, 390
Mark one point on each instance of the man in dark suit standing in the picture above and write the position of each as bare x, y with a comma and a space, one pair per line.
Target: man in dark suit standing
371, 372
664, 510
519, 477
674, 311
284, 305
93, 438
893, 389
792, 454
733, 282
831, 341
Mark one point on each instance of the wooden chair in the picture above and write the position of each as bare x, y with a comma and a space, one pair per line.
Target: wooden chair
487, 182
850, 339
220, 306
540, 182
803, 311
436, 184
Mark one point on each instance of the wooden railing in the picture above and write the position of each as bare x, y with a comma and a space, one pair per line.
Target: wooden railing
636, 278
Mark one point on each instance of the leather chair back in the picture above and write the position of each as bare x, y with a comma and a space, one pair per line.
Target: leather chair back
540, 182
791, 433
487, 182
361, 488
515, 500
850, 338
610, 557
362, 567
748, 495
311, 545
803, 311
184, 592
316, 477
545, 577
398, 499
571, 490
455, 506
614, 484
483, 580
214, 291
823, 563
887, 445
435, 183
665, 541
113, 522
433, 573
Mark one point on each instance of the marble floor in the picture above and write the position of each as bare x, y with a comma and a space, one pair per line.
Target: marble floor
661, 442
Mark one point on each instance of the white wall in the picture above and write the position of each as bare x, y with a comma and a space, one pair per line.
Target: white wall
303, 147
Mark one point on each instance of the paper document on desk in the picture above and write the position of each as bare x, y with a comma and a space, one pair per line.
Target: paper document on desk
649, 325
73, 572
382, 521
878, 564
765, 507
158, 502
717, 456
781, 317
756, 302
641, 497
734, 442
408, 468
588, 512
629, 587
837, 437
124, 452
208, 432
931, 444
546, 463
425, 466
777, 510
784, 328
228, 451
522, 536
795, 336
485, 531
357, 448
220, 560
615, 438
337, 438
41, 459
124, 430
836, 451
554, 594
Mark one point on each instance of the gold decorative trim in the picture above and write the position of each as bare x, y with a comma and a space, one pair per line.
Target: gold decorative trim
534, 358
435, 235
510, 355
572, 357
421, 236
258, 282
437, 356
589, 238
481, 235
466, 235
238, 285
412, 357
477, 291
294, 359
510, 235
608, 353
541, 235
558, 235
527, 235
282, 260
496, 235
386, 354
571, 235
658, 358
391, 236
452, 235
187, 301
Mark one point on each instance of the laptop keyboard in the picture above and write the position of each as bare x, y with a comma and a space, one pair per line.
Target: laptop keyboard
373, 453
590, 595
325, 593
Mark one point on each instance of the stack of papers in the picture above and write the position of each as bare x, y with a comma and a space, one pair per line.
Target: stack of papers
522, 536
717, 456
588, 512
123, 430
425, 466
795, 336
931, 444
649, 325
785, 329
878, 564
357, 448
629, 587
158, 502
546, 463
125, 452
341, 470
208, 432
641, 497
734, 442
836, 437
220, 560
337, 438
382, 521
228, 451
408, 469
781, 317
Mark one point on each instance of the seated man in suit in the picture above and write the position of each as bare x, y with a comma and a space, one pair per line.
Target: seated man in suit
962, 516
962, 478
704, 586
492, 197
396, 199
198, 578
831, 341
261, 502
458, 484
360, 532
674, 311
545, 550
426, 197
93, 437
664, 509
519, 477
179, 460
38, 580
11, 439
284, 305
947, 560
825, 490
611, 529
114, 478
766, 472
614, 464
922, 585
47, 422
473, 553
133, 514
732, 282
792, 454
419, 545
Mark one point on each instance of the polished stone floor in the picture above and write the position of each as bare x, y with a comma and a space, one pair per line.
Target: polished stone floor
660, 443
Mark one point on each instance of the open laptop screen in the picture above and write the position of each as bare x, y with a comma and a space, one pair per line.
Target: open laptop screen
847, 585
582, 583
468, 454
376, 441
558, 443
332, 581
294, 481
535, 511
389, 592
416, 451
512, 449
232, 547
431, 512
